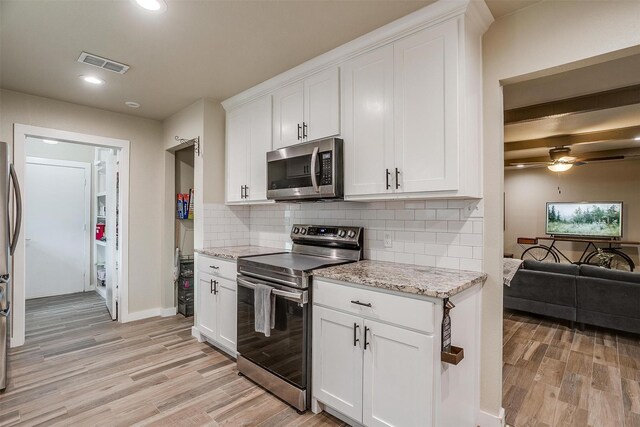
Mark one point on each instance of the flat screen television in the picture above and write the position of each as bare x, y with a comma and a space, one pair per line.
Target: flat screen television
584, 219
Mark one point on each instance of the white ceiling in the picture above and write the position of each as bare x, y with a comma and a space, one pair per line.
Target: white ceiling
212, 49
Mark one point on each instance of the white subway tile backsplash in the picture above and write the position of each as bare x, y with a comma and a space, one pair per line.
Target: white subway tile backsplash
443, 233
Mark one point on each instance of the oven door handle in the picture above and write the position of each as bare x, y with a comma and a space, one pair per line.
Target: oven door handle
299, 297
314, 158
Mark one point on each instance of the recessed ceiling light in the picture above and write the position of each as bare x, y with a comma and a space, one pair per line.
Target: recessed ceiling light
637, 138
49, 141
93, 80
153, 5
132, 104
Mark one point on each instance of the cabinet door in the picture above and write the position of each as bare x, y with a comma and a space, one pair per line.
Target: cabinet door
206, 305
398, 377
426, 109
261, 134
367, 94
238, 141
288, 110
337, 361
322, 105
226, 313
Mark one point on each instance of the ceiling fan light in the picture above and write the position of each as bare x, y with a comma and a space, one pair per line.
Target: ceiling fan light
560, 167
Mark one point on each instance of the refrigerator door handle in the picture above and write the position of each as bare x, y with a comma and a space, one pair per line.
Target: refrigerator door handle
16, 190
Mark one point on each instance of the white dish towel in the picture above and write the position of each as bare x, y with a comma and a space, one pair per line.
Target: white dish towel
510, 268
264, 302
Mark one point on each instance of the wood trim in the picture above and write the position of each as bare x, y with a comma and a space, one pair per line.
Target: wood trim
596, 101
624, 152
578, 138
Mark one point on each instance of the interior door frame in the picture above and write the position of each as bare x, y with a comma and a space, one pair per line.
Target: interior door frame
20, 134
86, 285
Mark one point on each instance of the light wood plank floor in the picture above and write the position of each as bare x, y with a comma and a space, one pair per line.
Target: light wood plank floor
78, 367
555, 376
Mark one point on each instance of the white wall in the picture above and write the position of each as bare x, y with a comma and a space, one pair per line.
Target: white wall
542, 39
146, 184
528, 190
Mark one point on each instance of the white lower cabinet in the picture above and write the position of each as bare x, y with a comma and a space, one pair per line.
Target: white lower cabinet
372, 372
215, 316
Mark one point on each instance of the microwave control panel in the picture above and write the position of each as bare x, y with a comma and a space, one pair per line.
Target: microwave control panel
326, 168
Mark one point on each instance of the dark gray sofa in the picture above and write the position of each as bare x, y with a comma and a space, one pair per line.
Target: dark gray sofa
585, 294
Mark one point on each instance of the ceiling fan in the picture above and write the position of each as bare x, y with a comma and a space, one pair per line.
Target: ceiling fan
561, 160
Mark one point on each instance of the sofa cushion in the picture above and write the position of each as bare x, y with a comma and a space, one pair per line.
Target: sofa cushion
609, 296
605, 273
551, 267
559, 289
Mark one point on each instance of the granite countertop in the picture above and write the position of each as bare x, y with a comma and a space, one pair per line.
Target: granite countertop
412, 279
234, 252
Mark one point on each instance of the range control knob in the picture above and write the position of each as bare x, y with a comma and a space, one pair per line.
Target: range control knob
342, 233
296, 230
303, 231
351, 234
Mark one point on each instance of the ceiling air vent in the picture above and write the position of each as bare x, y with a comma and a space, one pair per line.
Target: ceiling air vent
104, 63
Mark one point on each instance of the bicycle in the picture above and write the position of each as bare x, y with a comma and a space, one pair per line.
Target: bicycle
550, 253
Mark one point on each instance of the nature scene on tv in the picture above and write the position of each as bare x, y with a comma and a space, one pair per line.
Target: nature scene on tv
585, 219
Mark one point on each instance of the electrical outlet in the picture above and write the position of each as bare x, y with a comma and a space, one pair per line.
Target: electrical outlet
388, 240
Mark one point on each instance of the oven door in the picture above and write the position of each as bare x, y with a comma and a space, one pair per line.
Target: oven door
305, 171
284, 353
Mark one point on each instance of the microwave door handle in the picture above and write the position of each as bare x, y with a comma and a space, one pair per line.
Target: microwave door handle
18, 195
314, 181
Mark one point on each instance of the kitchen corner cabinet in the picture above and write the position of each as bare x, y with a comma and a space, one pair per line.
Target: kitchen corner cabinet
307, 110
248, 140
379, 365
410, 111
215, 302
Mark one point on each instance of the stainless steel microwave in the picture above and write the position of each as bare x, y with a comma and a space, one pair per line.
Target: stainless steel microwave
309, 171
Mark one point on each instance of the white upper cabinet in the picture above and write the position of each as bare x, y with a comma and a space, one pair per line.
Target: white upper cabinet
248, 141
367, 94
307, 110
426, 110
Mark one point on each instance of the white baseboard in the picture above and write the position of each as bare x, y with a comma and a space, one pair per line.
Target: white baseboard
167, 312
486, 419
139, 315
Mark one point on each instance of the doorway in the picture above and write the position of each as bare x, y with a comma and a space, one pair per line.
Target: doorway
107, 222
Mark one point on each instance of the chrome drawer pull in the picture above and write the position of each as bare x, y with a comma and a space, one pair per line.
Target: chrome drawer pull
365, 304
215, 267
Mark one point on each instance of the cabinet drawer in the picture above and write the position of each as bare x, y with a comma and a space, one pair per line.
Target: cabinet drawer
402, 311
217, 267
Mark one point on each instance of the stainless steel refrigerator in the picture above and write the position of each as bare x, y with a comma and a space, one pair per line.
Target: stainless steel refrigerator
8, 240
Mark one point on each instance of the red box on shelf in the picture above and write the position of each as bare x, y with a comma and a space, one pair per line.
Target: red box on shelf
99, 231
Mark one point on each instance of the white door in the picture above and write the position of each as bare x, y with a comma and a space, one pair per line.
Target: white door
261, 122
398, 377
322, 105
57, 210
426, 109
367, 93
226, 305
238, 140
206, 305
288, 115
337, 361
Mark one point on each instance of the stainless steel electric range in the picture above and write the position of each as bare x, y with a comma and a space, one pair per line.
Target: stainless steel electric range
281, 363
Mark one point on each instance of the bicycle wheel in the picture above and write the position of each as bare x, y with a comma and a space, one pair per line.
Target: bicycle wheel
540, 253
619, 261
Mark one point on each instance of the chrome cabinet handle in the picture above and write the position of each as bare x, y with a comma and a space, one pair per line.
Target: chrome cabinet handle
304, 130
211, 286
314, 181
366, 343
355, 333
215, 267
397, 180
215, 287
388, 173
299, 129
364, 304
